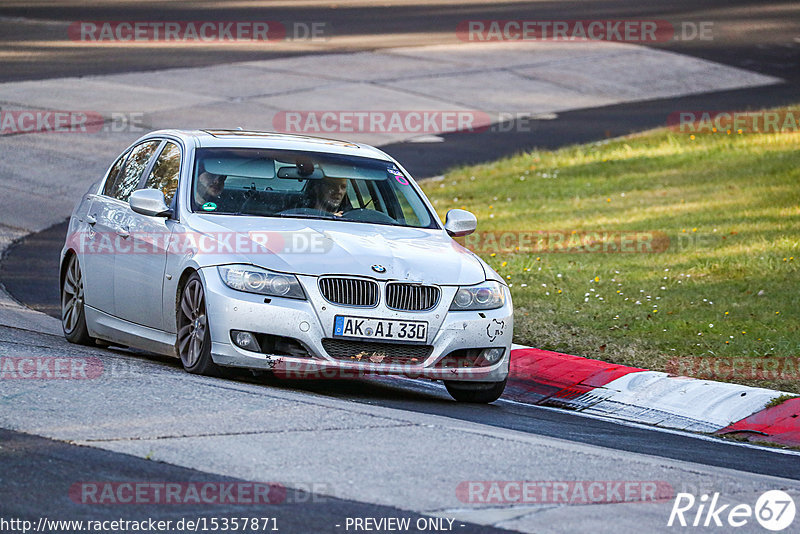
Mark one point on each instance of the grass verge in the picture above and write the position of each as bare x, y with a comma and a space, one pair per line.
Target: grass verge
717, 298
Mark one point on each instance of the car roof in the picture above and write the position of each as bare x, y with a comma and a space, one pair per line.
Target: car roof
273, 140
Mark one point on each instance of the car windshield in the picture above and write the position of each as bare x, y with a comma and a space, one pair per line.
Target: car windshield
277, 183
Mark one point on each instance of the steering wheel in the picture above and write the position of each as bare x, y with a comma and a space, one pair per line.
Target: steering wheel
366, 215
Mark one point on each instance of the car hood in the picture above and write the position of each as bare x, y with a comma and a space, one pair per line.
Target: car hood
321, 247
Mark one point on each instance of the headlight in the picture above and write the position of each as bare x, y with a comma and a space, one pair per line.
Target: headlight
257, 280
486, 296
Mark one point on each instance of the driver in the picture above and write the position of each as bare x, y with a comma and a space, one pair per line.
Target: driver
328, 194
209, 188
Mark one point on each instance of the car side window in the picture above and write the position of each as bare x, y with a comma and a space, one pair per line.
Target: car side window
166, 172
129, 178
113, 174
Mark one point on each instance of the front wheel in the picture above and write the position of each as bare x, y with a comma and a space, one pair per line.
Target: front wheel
73, 316
194, 336
475, 392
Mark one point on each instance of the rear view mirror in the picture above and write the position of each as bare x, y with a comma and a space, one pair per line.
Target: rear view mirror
295, 173
460, 223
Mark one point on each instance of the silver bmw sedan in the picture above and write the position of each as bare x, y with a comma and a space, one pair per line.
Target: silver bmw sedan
302, 256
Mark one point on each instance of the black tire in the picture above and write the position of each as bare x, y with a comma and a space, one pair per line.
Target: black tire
475, 392
193, 341
73, 316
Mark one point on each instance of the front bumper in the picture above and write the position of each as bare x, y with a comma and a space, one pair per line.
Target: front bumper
309, 321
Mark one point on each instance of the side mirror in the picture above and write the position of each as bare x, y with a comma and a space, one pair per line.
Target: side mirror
149, 202
460, 223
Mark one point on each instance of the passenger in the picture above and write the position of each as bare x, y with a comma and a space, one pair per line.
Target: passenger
208, 189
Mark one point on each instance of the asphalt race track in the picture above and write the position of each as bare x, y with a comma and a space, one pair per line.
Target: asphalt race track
753, 35
379, 447
299, 511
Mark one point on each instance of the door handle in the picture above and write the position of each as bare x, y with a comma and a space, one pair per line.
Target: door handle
91, 220
123, 233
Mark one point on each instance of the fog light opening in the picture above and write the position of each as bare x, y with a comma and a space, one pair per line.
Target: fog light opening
245, 340
492, 356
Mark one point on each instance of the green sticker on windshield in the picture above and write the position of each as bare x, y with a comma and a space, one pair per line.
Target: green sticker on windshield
209, 206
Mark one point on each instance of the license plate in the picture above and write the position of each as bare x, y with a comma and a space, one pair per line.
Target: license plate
383, 329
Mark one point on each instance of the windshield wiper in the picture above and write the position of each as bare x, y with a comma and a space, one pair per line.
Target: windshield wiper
304, 216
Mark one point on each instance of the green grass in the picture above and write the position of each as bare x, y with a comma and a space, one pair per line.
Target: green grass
727, 286
777, 401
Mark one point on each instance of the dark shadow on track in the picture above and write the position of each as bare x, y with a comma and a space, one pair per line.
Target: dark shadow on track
29, 269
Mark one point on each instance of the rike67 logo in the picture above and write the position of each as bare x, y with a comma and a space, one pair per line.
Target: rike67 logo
774, 510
